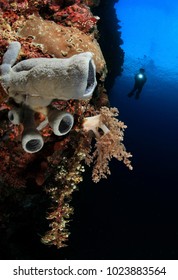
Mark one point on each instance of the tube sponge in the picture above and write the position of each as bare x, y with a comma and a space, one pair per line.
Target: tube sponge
10, 55
60, 122
37, 81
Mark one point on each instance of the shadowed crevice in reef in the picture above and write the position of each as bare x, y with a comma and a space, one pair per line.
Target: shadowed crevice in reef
110, 39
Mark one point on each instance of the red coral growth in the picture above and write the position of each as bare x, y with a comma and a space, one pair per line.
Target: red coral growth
4, 4
29, 50
14, 8
79, 16
40, 178
10, 16
3, 96
11, 172
91, 3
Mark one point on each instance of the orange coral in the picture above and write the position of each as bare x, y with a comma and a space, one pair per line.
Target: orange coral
109, 136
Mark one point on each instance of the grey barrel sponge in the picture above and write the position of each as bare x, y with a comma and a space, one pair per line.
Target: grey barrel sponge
37, 81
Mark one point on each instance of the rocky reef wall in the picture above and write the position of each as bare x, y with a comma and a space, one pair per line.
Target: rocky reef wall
33, 183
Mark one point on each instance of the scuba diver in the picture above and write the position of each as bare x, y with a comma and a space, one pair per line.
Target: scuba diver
140, 80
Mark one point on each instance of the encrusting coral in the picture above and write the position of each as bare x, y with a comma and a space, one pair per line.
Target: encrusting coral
49, 30
61, 41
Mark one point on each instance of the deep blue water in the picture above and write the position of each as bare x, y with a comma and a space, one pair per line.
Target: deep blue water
149, 31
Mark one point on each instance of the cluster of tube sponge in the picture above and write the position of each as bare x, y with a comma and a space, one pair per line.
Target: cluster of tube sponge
32, 141
34, 83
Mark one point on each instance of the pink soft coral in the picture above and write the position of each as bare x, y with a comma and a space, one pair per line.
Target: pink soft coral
108, 133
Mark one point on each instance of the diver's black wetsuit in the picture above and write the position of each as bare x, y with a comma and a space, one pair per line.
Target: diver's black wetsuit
140, 80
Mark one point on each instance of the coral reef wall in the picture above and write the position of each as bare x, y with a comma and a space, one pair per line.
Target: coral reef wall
45, 180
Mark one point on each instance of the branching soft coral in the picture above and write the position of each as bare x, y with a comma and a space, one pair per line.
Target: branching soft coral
109, 134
